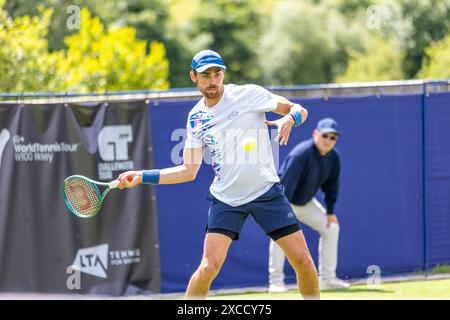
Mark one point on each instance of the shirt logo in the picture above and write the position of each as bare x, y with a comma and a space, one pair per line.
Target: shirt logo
290, 215
199, 118
233, 115
199, 122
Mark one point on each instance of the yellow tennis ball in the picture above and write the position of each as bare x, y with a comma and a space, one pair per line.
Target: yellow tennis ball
249, 144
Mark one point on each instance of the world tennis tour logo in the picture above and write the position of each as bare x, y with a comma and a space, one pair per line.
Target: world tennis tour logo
4, 138
36, 151
113, 149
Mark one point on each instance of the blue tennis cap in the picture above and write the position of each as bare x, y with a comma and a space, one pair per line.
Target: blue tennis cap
206, 59
327, 125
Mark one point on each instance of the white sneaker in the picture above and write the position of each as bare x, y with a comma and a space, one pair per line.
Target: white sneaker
277, 288
333, 283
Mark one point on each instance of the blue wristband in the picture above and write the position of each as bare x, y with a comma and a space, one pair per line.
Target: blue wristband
150, 176
297, 116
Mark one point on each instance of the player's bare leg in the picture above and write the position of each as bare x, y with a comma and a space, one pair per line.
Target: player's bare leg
297, 253
214, 252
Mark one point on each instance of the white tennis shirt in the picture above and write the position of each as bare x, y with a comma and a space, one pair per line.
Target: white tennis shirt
240, 176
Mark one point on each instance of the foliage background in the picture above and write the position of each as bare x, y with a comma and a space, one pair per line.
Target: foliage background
148, 44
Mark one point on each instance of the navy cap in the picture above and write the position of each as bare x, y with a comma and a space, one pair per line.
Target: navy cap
327, 125
206, 59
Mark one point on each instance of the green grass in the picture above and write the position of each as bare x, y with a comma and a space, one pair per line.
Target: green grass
444, 268
411, 290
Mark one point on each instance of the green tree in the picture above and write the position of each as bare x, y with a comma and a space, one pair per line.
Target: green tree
57, 28
307, 43
381, 60
412, 24
100, 60
232, 28
25, 65
430, 21
95, 59
351, 8
147, 17
437, 63
152, 22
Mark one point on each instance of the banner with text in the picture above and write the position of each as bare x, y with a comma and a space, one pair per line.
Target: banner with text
43, 247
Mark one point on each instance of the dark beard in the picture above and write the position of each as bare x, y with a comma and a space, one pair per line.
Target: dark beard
211, 95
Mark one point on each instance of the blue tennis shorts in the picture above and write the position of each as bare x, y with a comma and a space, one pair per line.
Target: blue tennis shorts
271, 211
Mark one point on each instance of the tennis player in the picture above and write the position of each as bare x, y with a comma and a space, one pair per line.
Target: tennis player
312, 165
226, 115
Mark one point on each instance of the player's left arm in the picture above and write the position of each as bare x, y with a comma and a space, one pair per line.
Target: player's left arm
294, 115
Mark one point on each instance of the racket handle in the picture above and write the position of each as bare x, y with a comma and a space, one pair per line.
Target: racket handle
114, 184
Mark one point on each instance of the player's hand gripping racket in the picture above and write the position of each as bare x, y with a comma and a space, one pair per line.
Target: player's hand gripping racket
83, 197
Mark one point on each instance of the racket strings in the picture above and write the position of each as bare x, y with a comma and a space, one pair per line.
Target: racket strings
83, 196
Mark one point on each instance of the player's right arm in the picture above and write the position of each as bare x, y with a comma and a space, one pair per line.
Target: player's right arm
192, 160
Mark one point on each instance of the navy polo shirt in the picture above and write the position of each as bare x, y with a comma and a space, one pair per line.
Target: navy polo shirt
305, 170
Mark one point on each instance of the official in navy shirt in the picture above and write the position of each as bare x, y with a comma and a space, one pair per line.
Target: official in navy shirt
312, 165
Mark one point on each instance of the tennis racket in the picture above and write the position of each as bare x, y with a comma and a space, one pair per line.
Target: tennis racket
82, 195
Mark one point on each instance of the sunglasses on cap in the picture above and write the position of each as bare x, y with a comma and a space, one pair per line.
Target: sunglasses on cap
328, 136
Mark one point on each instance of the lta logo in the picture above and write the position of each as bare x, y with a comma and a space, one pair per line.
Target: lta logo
93, 260
4, 138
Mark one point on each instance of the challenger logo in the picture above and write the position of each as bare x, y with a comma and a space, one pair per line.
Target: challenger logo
113, 149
